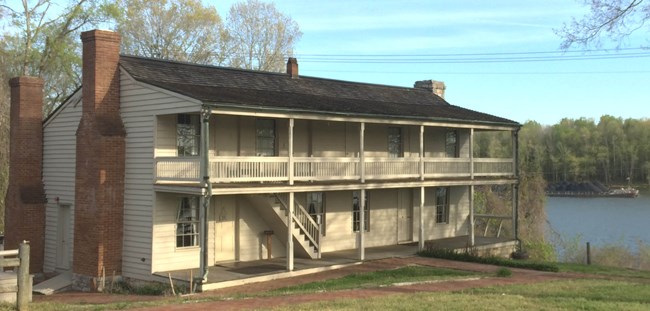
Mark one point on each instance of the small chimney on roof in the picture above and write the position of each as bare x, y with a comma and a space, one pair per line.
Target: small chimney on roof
292, 67
436, 87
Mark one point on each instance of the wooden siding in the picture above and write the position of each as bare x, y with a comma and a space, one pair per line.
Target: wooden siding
140, 104
59, 159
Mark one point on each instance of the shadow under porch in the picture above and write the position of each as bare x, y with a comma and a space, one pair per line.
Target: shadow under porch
230, 274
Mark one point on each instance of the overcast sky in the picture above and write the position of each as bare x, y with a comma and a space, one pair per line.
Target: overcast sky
399, 42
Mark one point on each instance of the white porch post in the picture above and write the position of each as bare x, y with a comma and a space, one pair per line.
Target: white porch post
421, 235
362, 223
471, 153
471, 216
362, 157
290, 227
421, 152
206, 194
290, 168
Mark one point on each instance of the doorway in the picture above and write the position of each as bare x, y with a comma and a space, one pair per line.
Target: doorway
63, 237
224, 233
404, 216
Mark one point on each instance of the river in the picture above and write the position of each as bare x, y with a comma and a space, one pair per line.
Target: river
601, 221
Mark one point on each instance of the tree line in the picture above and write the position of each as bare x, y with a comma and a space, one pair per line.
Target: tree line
41, 38
610, 150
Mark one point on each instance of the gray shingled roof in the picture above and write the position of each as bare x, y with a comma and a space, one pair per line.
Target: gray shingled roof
277, 91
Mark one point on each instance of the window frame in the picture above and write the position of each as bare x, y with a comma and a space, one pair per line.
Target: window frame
442, 207
259, 137
191, 124
186, 240
355, 212
454, 144
395, 142
318, 216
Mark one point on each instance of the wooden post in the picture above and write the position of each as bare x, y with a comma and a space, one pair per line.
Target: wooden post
24, 281
471, 153
588, 253
421, 233
471, 216
290, 168
421, 152
290, 232
362, 224
362, 157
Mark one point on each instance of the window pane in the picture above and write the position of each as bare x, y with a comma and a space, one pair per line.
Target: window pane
451, 144
394, 142
188, 135
265, 142
442, 205
316, 209
356, 218
187, 221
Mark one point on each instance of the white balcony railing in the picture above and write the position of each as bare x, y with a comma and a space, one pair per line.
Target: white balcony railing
263, 169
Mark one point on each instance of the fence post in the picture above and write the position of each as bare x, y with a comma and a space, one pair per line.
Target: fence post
24, 284
588, 253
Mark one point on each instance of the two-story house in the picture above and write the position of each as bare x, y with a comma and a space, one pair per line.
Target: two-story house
154, 166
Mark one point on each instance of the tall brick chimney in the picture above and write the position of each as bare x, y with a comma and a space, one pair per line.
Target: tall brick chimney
25, 199
292, 67
99, 182
436, 87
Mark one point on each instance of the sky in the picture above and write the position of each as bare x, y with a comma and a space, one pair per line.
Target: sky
400, 42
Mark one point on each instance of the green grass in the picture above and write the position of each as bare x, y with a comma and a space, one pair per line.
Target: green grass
604, 270
376, 279
557, 295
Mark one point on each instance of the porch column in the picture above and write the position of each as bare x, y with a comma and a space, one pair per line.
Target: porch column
290, 227
471, 154
290, 168
515, 189
421, 152
362, 157
471, 216
206, 194
421, 233
362, 223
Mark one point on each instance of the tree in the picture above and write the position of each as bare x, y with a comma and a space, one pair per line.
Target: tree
40, 44
182, 30
260, 36
614, 19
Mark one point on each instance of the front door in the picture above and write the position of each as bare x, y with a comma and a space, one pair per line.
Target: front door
63, 238
224, 235
404, 216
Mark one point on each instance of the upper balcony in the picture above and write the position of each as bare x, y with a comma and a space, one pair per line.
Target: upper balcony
263, 169
244, 150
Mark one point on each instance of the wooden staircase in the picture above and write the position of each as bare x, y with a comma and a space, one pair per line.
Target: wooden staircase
306, 232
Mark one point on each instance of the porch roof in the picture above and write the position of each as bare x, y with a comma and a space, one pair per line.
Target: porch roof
230, 87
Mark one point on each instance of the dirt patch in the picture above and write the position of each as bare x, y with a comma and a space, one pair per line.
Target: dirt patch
519, 276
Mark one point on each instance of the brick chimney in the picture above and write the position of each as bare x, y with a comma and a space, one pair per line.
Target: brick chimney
292, 67
25, 198
99, 181
436, 87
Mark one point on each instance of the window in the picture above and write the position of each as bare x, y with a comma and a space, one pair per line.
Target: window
355, 212
316, 209
442, 205
265, 143
395, 142
451, 144
188, 135
187, 222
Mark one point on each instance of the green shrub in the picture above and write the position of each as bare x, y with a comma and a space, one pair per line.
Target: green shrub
497, 261
504, 273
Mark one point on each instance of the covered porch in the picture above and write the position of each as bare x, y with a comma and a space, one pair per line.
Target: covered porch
239, 273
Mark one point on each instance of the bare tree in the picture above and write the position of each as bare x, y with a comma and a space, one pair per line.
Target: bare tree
182, 30
260, 36
612, 19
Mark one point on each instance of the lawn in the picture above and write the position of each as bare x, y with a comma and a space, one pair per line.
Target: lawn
584, 294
